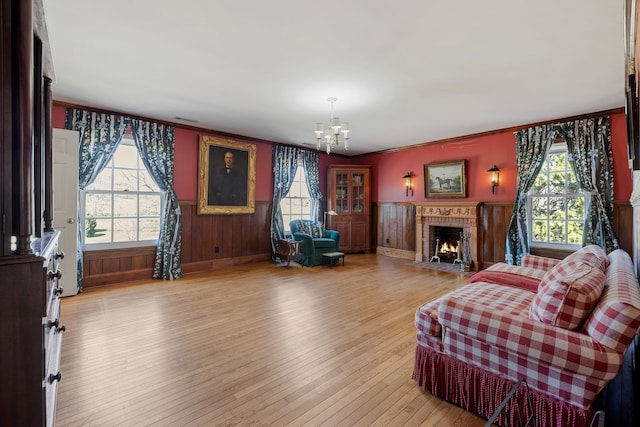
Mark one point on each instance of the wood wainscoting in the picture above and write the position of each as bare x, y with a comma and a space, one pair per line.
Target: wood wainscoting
395, 230
242, 239
239, 239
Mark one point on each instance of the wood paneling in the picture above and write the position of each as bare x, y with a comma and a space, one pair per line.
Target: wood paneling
241, 239
395, 226
396, 222
238, 239
494, 218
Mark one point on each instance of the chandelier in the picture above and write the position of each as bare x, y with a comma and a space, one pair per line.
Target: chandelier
331, 134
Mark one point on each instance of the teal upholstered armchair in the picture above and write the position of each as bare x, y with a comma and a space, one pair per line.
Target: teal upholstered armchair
315, 240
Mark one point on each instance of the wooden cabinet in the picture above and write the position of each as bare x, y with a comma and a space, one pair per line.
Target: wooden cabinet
349, 196
29, 257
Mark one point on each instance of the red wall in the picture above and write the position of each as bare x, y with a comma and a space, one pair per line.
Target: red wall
480, 155
389, 168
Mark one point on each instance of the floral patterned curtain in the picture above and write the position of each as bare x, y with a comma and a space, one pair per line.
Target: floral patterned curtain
532, 145
590, 154
311, 163
155, 144
100, 135
285, 164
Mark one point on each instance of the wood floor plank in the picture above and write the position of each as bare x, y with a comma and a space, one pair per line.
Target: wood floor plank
254, 345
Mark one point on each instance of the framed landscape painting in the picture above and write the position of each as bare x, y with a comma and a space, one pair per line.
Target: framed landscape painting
445, 179
226, 176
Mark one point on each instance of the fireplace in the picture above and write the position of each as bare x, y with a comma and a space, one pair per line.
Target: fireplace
433, 217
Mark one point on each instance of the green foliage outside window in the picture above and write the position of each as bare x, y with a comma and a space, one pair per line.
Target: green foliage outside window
556, 203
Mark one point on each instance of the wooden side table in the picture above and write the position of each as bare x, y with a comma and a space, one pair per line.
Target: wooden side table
288, 250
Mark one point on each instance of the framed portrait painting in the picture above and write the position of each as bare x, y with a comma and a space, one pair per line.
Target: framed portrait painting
445, 179
226, 176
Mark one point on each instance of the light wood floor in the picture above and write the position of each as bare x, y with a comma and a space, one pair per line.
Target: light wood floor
254, 345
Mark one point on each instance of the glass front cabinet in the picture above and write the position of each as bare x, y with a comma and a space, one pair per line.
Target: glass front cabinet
349, 196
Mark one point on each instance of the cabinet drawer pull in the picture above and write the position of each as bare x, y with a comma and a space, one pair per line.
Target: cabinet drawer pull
56, 377
57, 275
61, 329
59, 255
58, 291
53, 323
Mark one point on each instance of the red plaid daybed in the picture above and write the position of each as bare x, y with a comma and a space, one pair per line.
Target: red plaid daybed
563, 326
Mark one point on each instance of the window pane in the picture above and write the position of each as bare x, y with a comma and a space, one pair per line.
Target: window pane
540, 184
97, 205
103, 181
305, 210
146, 182
539, 231
97, 230
125, 230
285, 207
125, 205
125, 180
296, 206
556, 183
572, 183
126, 156
149, 229
149, 205
557, 208
304, 190
557, 231
575, 208
539, 207
574, 234
556, 161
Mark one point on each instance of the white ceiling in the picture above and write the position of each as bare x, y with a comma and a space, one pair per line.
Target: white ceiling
405, 72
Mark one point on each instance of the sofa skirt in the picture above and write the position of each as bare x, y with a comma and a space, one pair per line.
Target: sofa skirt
481, 392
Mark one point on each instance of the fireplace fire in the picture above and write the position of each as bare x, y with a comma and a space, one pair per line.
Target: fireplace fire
445, 248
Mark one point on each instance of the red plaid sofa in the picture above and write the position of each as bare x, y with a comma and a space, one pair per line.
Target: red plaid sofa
563, 326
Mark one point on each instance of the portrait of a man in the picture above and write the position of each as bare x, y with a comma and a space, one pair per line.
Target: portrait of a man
226, 181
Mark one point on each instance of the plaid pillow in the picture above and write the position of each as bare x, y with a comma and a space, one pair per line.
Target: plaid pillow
592, 255
566, 300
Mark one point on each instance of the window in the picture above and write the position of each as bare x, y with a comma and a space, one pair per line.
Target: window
297, 203
556, 204
122, 206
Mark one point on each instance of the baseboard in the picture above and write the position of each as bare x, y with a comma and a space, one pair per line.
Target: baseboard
106, 279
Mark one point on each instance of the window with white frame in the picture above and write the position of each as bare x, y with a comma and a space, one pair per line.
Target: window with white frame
556, 206
121, 208
297, 203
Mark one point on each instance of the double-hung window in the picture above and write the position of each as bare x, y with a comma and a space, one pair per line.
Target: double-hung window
555, 204
121, 208
297, 203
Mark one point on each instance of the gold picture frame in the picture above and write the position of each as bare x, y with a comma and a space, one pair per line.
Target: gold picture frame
446, 179
226, 176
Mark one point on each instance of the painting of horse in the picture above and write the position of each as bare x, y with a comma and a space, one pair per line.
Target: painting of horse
446, 179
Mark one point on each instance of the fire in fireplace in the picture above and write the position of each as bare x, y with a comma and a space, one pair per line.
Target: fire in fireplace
448, 241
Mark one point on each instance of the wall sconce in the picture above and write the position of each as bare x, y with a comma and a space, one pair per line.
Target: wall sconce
495, 178
408, 183
332, 213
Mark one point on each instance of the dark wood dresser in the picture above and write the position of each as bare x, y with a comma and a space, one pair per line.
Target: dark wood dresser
30, 362
31, 336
